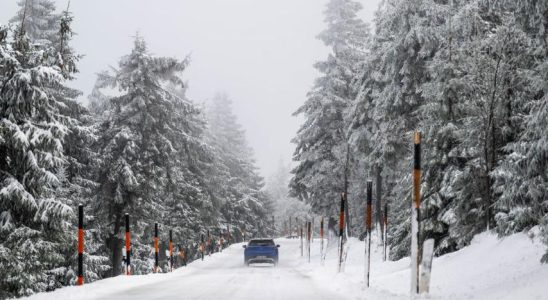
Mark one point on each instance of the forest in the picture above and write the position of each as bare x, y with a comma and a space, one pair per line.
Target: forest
470, 75
140, 147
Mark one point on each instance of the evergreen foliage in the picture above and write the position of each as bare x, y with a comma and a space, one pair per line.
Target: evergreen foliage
469, 74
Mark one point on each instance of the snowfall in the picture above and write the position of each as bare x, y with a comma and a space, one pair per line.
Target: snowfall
490, 268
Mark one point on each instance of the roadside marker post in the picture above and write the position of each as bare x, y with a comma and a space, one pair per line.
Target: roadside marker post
80, 280
171, 250
128, 247
309, 238
426, 266
385, 233
415, 215
156, 248
321, 242
341, 231
368, 221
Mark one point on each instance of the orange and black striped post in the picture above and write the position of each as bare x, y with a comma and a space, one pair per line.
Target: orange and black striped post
128, 247
385, 233
308, 237
415, 215
171, 250
80, 280
156, 248
341, 231
368, 221
321, 241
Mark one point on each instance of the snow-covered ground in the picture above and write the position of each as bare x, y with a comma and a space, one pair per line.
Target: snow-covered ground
488, 269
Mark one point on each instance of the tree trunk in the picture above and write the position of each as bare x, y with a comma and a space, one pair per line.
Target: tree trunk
346, 207
378, 203
115, 245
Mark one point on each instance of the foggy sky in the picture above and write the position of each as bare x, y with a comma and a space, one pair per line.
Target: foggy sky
260, 52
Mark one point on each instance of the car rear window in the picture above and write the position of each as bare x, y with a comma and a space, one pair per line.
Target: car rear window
261, 243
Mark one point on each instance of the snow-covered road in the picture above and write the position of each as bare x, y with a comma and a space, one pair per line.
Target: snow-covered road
220, 276
224, 276
488, 269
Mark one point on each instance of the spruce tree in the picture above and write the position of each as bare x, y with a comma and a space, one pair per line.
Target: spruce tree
41, 22
146, 143
33, 235
243, 201
324, 167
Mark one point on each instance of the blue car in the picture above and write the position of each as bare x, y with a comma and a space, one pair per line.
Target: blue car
261, 251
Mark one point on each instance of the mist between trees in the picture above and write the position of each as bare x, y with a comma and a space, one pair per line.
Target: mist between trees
471, 75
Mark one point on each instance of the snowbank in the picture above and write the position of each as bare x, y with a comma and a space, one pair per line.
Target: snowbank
490, 268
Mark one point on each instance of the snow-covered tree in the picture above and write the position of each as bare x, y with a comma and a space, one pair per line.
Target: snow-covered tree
41, 22
322, 143
243, 202
286, 209
148, 141
34, 125
467, 74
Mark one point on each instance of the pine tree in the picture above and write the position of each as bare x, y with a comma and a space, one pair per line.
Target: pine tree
520, 178
40, 21
467, 74
34, 126
243, 202
147, 143
322, 142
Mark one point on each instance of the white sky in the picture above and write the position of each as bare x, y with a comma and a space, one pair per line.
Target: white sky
260, 52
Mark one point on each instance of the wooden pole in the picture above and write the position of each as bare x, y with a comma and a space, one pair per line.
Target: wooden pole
171, 250
80, 280
341, 231
202, 246
415, 215
128, 247
321, 242
368, 221
156, 248
309, 237
385, 230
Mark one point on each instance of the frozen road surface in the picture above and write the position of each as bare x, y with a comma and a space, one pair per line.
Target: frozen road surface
220, 276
